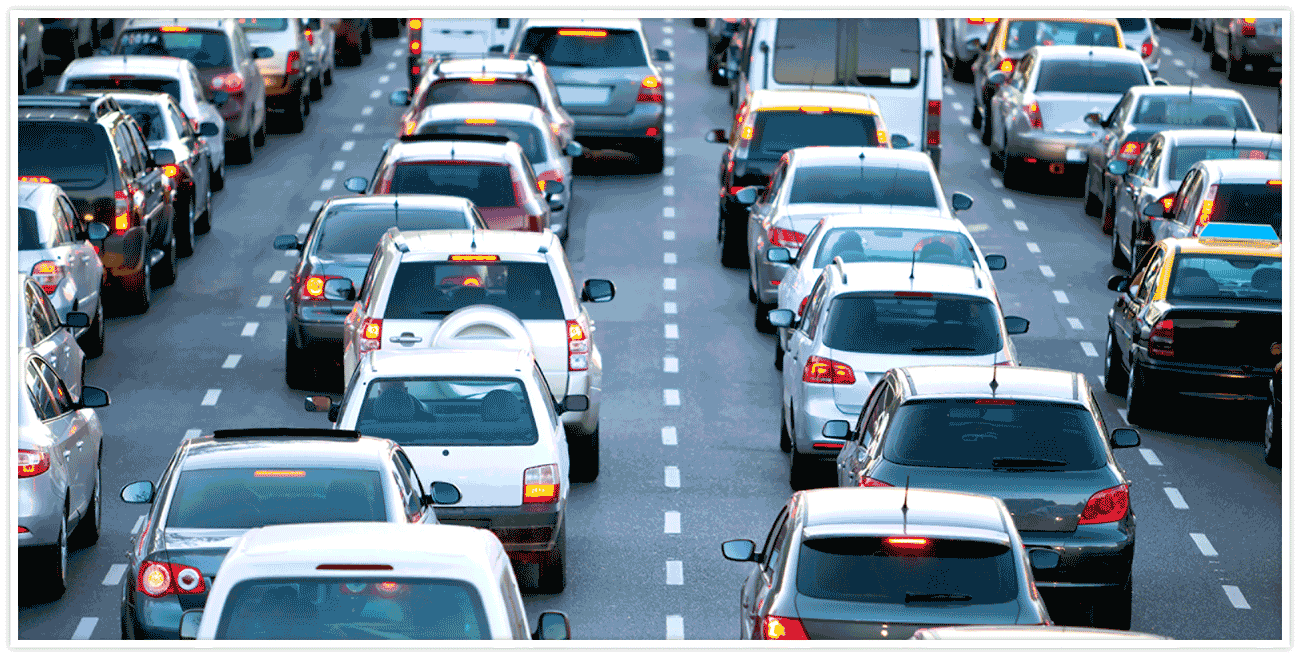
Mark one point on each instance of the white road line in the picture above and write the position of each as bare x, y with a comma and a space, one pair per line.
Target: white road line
1192, 74
1074, 323
1176, 498
390, 66
315, 206
672, 522
986, 163
670, 151
366, 110
668, 111
670, 284
327, 184
139, 522
87, 626
1179, 63
963, 120
1150, 456
304, 227
1234, 596
114, 575
232, 361
669, 190
670, 258
672, 477
947, 89
210, 398
668, 127
1020, 225
348, 145
974, 139
670, 308
976, 228
1060, 296
278, 276
1203, 544
675, 573
190, 434
670, 212
1089, 349
956, 106
1047, 271
668, 41
670, 331
383, 80
997, 183
339, 166
250, 330
676, 627
668, 433
1033, 247
358, 127
397, 52
264, 301
1008, 203
668, 29
375, 94
672, 397
1166, 51
669, 66
670, 364
669, 171
668, 80
1102, 380
670, 235
292, 252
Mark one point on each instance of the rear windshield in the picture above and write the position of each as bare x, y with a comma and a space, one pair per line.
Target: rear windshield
528, 136
868, 185
887, 51
343, 607
584, 47
250, 497
486, 184
924, 326
1249, 203
894, 245
1082, 77
1132, 24
148, 116
354, 230
1185, 156
1023, 35
264, 24
1226, 277
908, 571
779, 131
1015, 436
502, 90
67, 152
431, 290
204, 49
169, 85
1182, 110
29, 232
448, 412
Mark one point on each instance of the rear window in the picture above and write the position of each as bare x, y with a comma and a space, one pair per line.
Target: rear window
486, 184
1132, 24
431, 290
779, 131
1226, 277
868, 185
169, 85
1249, 203
204, 49
585, 47
887, 51
264, 24
1023, 35
528, 136
501, 90
1095, 77
148, 116
356, 230
245, 498
931, 326
67, 152
29, 231
908, 571
894, 245
1185, 156
969, 434
342, 607
1182, 110
448, 412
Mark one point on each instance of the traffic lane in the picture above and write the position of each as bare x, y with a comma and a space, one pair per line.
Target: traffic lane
1186, 56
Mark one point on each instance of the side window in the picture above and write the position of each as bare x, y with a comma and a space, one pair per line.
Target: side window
1183, 199
772, 560
546, 390
127, 148
881, 405
1190, 204
775, 183
1148, 284
62, 398
198, 87
41, 318
1020, 78
141, 147
872, 399
1120, 112
42, 398
1142, 165
77, 225
771, 534
1097, 416
815, 308
404, 463
180, 121
368, 283
809, 309
410, 498
64, 224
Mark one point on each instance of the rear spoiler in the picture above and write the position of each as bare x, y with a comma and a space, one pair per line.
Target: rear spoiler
471, 137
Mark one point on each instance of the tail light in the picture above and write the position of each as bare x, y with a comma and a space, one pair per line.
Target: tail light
1109, 505
311, 39
542, 484
551, 176
802, 304
1007, 65
194, 124
415, 70
819, 370
868, 481
786, 238
1147, 47
232, 82
1247, 27
932, 111
780, 627
47, 274
1161, 342
1035, 115
415, 23
32, 463
313, 288
1166, 201
1129, 150
121, 210
408, 127
372, 331
579, 346
1207, 210
981, 21
157, 579
294, 63
171, 170
732, 190
35, 179
652, 90
416, 47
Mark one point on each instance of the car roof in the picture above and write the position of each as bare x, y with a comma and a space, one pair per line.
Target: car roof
486, 109
1028, 632
34, 195
1185, 90
826, 155
778, 99
490, 242
457, 66
878, 511
1013, 382
219, 24
894, 276
610, 23
1210, 245
443, 362
1220, 136
1107, 53
405, 201
445, 149
1242, 171
208, 452
895, 217
366, 542
127, 95
127, 64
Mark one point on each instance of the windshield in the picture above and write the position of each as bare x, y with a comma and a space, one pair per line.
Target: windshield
939, 325
1184, 110
584, 47
148, 116
779, 131
1185, 156
204, 49
66, 152
245, 498
448, 411
264, 24
430, 290
993, 434
485, 184
866, 185
342, 607
126, 82
1083, 77
882, 51
1226, 277
1132, 24
356, 230
1023, 35
528, 136
500, 90
894, 245
908, 570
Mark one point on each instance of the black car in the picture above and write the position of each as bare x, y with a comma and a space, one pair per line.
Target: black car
719, 31
1273, 418
97, 153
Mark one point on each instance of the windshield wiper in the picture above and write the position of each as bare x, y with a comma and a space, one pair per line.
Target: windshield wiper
1027, 462
943, 349
936, 597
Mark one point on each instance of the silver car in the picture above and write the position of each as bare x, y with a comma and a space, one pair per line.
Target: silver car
42, 330
320, 38
963, 40
1140, 36
60, 448
55, 249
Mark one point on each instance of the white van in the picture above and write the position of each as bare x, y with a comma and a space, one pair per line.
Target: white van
430, 37
897, 60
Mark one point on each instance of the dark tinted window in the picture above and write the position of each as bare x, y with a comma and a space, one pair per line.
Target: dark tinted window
486, 184
168, 85
938, 325
1182, 110
250, 497
888, 51
805, 51
264, 24
448, 412
779, 131
1089, 77
149, 117
430, 290
503, 90
894, 245
1226, 276
358, 229
869, 185
1132, 24
528, 136
1249, 203
29, 232
1023, 35
1185, 156
969, 434
371, 607
66, 152
204, 49
584, 47
863, 569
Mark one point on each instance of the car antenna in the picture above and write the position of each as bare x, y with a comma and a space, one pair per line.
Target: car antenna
394, 211
907, 482
912, 275
1234, 136
473, 238
993, 385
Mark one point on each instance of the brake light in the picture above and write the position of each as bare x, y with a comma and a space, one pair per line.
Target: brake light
121, 210
868, 481
1007, 65
157, 579
483, 80
47, 273
372, 330
734, 189
819, 370
907, 542
311, 40
575, 32
173, 28
914, 295
32, 463
801, 306
981, 21
416, 47
1161, 342
231, 82
1109, 505
35, 180
578, 346
933, 109
313, 288
415, 23
1035, 115
171, 170
542, 484
480, 120
1129, 151
23, 529
409, 127
1207, 210
1147, 48
652, 131
1247, 27
1166, 201
294, 63
994, 401
474, 258
814, 110
780, 627
785, 238
828, 445
652, 90
1274, 182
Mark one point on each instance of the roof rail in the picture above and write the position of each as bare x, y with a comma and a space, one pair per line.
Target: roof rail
439, 58
444, 137
304, 433
839, 262
100, 105
398, 240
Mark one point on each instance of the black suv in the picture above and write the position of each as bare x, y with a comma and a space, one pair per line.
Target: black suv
98, 154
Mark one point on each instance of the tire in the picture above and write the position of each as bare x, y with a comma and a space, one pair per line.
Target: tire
297, 373
1140, 402
1115, 379
1117, 258
962, 71
87, 532
976, 115
136, 296
167, 275
259, 138
204, 226
317, 89
185, 234
1197, 33
652, 159
52, 564
92, 341
1012, 171
986, 136
733, 249
584, 457
1236, 67
1113, 608
295, 120
218, 178
1091, 203
786, 442
753, 296
1207, 39
780, 355
799, 469
365, 39
1272, 436
760, 317
239, 151
1107, 210
551, 574
328, 77
1217, 63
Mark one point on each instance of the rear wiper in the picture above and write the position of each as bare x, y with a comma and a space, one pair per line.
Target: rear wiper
936, 597
436, 312
942, 349
1027, 462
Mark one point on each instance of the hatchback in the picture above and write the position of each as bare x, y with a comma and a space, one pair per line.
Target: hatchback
1221, 191
289, 71
1140, 35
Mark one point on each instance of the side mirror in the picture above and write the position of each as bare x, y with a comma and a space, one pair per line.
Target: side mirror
781, 318
899, 141
974, 43
1124, 438
287, 242
104, 50
1155, 209
399, 98
93, 397
138, 492
262, 52
961, 201
497, 48
738, 550
574, 403
97, 231
444, 494
355, 184
1117, 167
1043, 559
996, 262
163, 156
1159, 81
209, 129
836, 430
313, 24
779, 256
662, 55
1117, 283
550, 187
997, 78
76, 320
573, 149
219, 97
716, 136
190, 620
317, 403
339, 289
552, 626
748, 195
1093, 119
598, 290
1016, 325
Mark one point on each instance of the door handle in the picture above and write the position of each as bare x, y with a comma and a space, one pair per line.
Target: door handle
80, 444
406, 337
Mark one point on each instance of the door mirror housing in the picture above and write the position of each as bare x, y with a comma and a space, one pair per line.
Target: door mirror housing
716, 136
497, 48
1093, 119
552, 626
262, 52
1016, 325
997, 78
1043, 559
209, 129
313, 24
220, 97
93, 397
781, 318
748, 195
779, 256
138, 492
662, 55
1118, 167
76, 320
961, 201
1155, 209
836, 430
163, 156
598, 290
399, 98
444, 494
317, 403
576, 403
339, 289
555, 204
355, 184
286, 242
97, 231
899, 141
1124, 438
1159, 81
738, 550
1117, 283
551, 187
190, 621
996, 262
573, 149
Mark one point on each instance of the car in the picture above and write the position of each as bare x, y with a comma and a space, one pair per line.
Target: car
849, 563
366, 581
772, 122
551, 158
215, 487
963, 39
863, 318
1273, 417
289, 71
96, 153
41, 329
719, 32
492, 171
1140, 35
1195, 322
607, 79
1158, 171
67, 39
1037, 118
1141, 112
810, 183
320, 39
1011, 38
1221, 191
429, 38
1033, 437
352, 40
476, 393
60, 445
31, 53
737, 54
525, 273
339, 243
1237, 43
1026, 633
55, 248
872, 237
226, 64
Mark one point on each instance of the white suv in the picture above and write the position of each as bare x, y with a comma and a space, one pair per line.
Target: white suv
415, 279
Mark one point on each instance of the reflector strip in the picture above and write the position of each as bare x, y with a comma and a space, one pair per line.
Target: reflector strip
175, 28
480, 121
577, 32
991, 401
911, 542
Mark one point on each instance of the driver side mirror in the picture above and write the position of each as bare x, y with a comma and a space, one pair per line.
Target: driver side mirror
574, 403
138, 492
497, 48
1124, 438
287, 242
339, 289
551, 187
574, 149
716, 136
997, 78
1093, 119
163, 156
781, 318
97, 231
220, 97
355, 184
76, 320
1117, 283
399, 98
739, 550
262, 52
92, 397
598, 290
209, 129
1016, 325
1155, 209
899, 141
552, 626
1159, 81
1043, 559
1118, 167
837, 430
996, 262
961, 201
779, 256
748, 195
444, 494
319, 403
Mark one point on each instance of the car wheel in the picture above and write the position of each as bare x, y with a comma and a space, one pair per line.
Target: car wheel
167, 274
786, 442
51, 578
760, 317
976, 114
259, 138
1091, 203
1207, 39
780, 354
317, 89
185, 237
733, 244
1236, 67
986, 136
1116, 255
365, 39
1138, 396
88, 528
294, 121
584, 457
92, 341
799, 469
239, 151
550, 576
1108, 209
217, 178
1011, 170
204, 225
136, 292
1113, 607
1217, 62
1115, 379
297, 372
328, 77
1197, 33
652, 158
1273, 435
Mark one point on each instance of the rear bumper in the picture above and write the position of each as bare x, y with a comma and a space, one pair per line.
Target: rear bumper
585, 382
123, 254
766, 272
40, 505
809, 417
1049, 146
1208, 382
1093, 556
525, 528
644, 116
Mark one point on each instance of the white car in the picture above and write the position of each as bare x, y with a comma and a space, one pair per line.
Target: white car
366, 580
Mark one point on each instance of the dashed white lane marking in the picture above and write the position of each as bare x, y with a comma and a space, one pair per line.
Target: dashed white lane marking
210, 398
668, 41
190, 434
232, 361
672, 397
85, 628
668, 434
1088, 349
997, 183
672, 522
670, 258
1176, 498
1047, 271
976, 228
675, 573
338, 166
676, 627
1033, 247
963, 120
669, 66
947, 89
668, 20
668, 80
383, 79
974, 139
670, 331
672, 477
1165, 50
1234, 596
139, 522
1192, 74
1060, 296
669, 95
670, 151
302, 228
114, 575
670, 307
669, 190
278, 275
1203, 544
375, 94
1074, 323
348, 145
986, 163
1021, 225
366, 110
670, 284
264, 301
668, 111
669, 171
670, 364
250, 330
1179, 63
668, 29
670, 235
1150, 456
327, 184
315, 206
1008, 203
1102, 380
390, 66
358, 127
670, 212
668, 127
956, 106
397, 52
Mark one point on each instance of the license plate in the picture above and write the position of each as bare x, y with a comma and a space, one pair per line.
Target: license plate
1073, 155
582, 94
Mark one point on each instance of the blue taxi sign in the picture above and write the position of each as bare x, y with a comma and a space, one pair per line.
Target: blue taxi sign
1239, 231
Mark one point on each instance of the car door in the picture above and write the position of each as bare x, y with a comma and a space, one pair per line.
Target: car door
762, 212
199, 157
1115, 125
56, 411
156, 196
81, 436
415, 510
1133, 301
79, 255
754, 587
853, 455
46, 336
801, 343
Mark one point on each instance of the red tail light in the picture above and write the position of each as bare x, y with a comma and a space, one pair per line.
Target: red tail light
47, 274
786, 238
313, 288
311, 39
1007, 65
652, 90
1035, 115
1109, 505
415, 23
157, 579
819, 370
32, 463
981, 21
828, 445
1129, 151
372, 332
173, 28
121, 210
416, 47
171, 170
1207, 210
734, 189
294, 63
933, 110
542, 484
232, 82
868, 481
1161, 342
579, 346
1147, 47
1247, 27
1166, 201
780, 627
802, 304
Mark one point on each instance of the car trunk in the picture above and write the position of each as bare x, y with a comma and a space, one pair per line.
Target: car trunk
487, 476
840, 619
597, 91
350, 266
1064, 111
451, 36
868, 368
201, 549
1229, 338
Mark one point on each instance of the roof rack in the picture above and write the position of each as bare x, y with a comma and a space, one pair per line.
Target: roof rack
439, 58
444, 137
100, 105
303, 433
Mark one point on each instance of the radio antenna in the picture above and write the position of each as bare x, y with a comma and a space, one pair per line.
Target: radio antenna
993, 385
912, 275
907, 482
